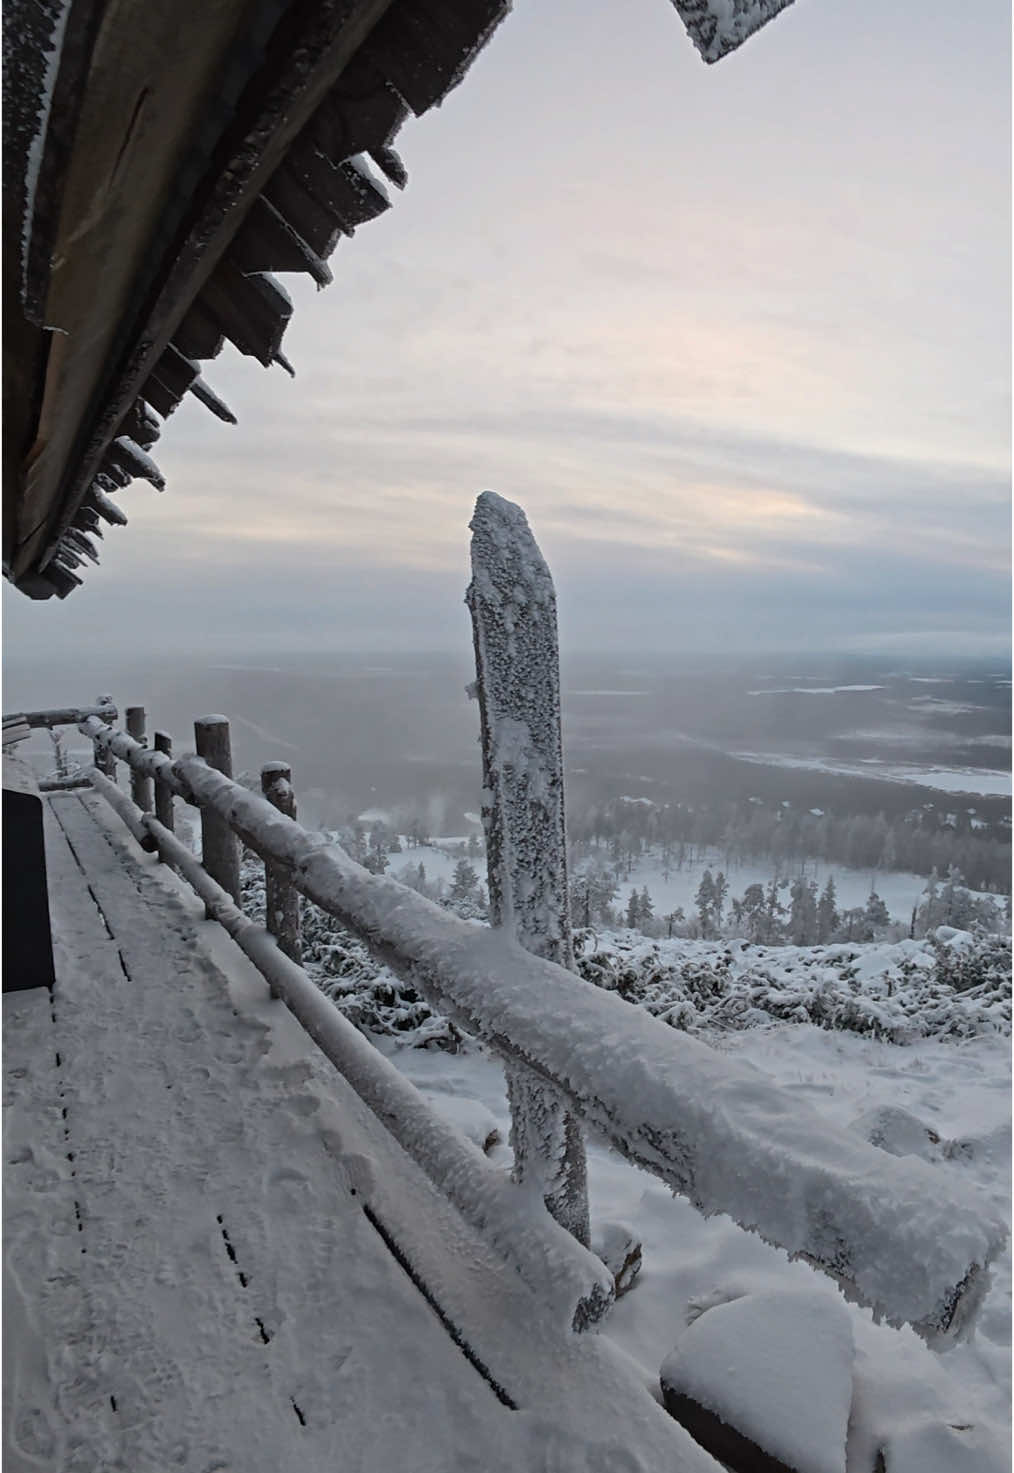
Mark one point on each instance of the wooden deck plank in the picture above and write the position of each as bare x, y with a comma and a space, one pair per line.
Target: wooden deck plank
237, 1304
179, 1360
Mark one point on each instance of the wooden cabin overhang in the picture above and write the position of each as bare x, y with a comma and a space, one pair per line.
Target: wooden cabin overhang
161, 164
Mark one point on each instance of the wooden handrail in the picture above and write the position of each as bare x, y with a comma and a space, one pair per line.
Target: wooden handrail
545, 1254
63, 715
890, 1231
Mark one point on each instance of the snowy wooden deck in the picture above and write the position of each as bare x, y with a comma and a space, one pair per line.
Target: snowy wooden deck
208, 1235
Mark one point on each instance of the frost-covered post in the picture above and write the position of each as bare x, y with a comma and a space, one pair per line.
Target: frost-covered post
103, 757
219, 845
513, 607
140, 784
281, 899
162, 742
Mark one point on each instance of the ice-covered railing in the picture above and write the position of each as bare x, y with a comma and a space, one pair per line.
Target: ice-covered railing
890, 1231
887, 1229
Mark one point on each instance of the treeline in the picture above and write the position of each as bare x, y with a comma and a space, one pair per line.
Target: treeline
919, 841
781, 912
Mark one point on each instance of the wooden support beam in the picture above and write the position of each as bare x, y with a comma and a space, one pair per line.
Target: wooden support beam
267, 242
253, 311
199, 335
140, 784
163, 793
281, 899
219, 845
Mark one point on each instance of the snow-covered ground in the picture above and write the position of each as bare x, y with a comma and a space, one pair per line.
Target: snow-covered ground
906, 1395
981, 780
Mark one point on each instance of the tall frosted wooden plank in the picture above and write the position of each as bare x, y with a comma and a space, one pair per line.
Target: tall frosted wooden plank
513, 606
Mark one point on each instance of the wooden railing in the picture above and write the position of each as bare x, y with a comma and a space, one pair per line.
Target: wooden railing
890, 1231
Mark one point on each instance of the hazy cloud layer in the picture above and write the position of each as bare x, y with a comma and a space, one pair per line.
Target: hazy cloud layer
737, 338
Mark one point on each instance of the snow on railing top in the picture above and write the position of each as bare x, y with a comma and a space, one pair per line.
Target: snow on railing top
66, 715
890, 1231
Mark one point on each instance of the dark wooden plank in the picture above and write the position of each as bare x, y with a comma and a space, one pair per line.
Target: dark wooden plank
349, 196
199, 335
27, 939
252, 310
267, 242
425, 49
304, 212
176, 371
361, 112
141, 425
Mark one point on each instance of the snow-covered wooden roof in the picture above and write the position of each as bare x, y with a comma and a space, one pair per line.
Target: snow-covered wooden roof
161, 164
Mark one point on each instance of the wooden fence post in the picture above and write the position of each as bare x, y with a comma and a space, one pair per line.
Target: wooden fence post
219, 845
102, 757
281, 899
163, 793
513, 606
140, 785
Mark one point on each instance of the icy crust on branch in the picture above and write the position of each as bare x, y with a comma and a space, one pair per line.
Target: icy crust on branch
890, 1231
513, 607
717, 27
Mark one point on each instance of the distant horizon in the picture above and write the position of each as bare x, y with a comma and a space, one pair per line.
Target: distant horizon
252, 656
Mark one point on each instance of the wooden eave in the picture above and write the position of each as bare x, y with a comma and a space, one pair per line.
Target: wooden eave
192, 151
187, 152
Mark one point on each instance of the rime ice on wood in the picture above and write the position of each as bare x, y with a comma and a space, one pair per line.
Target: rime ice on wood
219, 847
281, 901
513, 608
894, 1233
163, 793
102, 756
717, 27
140, 784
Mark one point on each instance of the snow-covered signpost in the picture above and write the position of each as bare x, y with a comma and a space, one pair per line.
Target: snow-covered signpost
513, 606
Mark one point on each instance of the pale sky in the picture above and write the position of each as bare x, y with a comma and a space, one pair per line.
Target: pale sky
736, 337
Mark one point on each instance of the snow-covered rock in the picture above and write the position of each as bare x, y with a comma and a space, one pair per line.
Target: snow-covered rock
776, 1367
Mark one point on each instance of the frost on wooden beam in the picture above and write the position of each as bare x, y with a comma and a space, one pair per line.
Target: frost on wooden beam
513, 608
717, 27
891, 1231
126, 456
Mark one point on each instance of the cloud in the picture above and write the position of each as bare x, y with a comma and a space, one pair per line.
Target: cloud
746, 366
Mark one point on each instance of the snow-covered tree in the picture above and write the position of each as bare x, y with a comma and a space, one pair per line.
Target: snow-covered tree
704, 900
877, 915
634, 910
827, 912
803, 929
463, 881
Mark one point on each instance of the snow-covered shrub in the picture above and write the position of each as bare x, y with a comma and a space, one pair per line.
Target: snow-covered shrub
367, 992
898, 992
